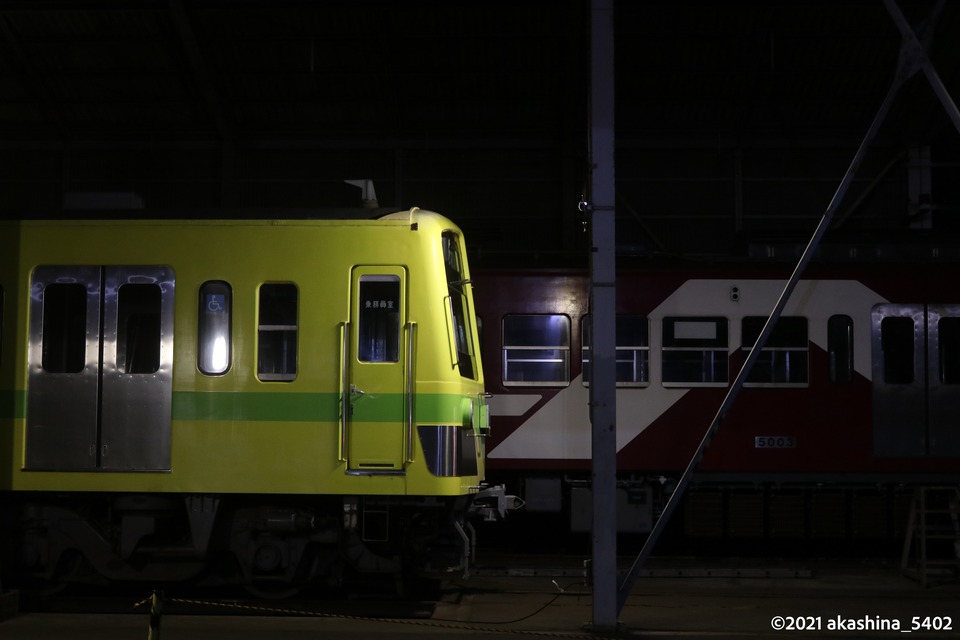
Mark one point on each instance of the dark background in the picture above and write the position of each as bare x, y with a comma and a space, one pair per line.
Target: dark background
735, 121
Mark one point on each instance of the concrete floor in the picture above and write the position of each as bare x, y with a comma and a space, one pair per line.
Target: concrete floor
822, 600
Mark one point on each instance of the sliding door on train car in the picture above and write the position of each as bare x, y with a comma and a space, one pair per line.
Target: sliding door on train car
916, 379
376, 388
100, 362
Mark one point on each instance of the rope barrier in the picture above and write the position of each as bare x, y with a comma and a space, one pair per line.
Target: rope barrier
157, 600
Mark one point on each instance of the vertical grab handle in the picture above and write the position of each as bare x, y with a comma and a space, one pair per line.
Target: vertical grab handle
411, 378
344, 390
451, 331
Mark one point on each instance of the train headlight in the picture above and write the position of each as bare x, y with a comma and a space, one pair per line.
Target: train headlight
449, 450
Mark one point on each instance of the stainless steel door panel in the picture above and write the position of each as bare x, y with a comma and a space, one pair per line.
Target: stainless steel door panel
943, 385
62, 402
899, 380
100, 368
136, 397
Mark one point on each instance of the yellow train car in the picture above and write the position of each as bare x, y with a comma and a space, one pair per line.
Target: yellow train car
284, 400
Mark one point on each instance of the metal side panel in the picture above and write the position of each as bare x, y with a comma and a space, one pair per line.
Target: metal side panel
137, 368
943, 375
62, 396
899, 379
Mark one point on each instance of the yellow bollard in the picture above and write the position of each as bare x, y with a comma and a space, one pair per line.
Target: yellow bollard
156, 605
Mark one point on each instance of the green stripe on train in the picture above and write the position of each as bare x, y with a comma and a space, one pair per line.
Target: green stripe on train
311, 407
281, 407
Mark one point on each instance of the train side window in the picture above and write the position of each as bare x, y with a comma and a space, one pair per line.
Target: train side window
784, 359
64, 327
214, 344
840, 348
536, 350
949, 331
277, 333
896, 341
379, 327
138, 328
633, 351
695, 352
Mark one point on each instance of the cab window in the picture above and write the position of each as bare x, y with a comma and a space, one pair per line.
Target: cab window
459, 305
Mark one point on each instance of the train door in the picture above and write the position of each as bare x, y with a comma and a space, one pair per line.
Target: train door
916, 379
376, 405
100, 362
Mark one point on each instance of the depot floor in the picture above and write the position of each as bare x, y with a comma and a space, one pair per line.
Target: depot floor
672, 598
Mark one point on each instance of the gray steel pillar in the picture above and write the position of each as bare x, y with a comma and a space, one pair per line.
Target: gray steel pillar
603, 385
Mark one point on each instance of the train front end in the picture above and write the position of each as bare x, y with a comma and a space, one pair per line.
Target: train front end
273, 403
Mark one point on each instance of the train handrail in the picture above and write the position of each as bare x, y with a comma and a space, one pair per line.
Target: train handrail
344, 390
411, 333
451, 331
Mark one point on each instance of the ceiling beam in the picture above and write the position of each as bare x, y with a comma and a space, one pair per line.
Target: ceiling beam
206, 85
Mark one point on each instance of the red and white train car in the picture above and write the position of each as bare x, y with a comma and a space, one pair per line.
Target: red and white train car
854, 399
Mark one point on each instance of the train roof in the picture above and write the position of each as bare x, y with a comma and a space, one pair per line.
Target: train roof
312, 217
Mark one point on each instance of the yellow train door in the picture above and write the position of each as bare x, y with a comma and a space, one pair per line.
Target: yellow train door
377, 399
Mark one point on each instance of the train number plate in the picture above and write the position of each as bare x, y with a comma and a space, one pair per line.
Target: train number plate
774, 442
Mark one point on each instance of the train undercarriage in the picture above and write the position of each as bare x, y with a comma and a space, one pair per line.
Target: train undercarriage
271, 546
737, 514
